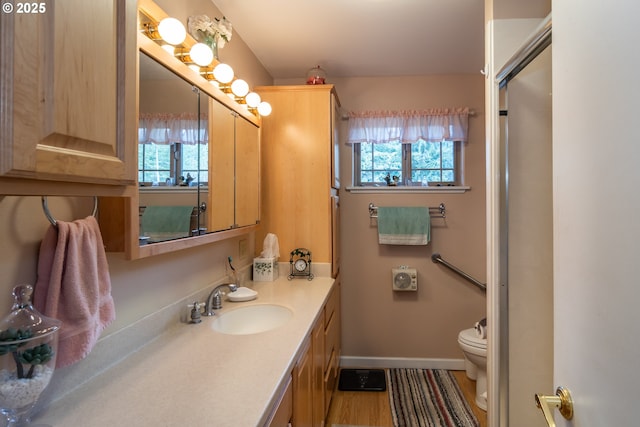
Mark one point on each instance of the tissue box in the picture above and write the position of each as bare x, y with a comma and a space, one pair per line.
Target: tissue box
265, 269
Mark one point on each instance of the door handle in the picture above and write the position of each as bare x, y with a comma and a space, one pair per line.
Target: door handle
561, 400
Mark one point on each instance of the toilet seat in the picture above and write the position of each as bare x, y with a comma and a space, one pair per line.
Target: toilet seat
470, 338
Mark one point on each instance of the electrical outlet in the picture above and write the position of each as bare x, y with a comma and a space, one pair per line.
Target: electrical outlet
242, 248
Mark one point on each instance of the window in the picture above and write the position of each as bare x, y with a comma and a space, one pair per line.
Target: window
159, 162
172, 146
421, 162
405, 148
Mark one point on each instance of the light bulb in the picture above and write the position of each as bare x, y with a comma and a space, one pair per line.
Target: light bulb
240, 88
253, 100
195, 68
223, 73
264, 108
169, 48
201, 54
172, 31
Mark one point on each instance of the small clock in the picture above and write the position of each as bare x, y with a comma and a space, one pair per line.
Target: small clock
300, 263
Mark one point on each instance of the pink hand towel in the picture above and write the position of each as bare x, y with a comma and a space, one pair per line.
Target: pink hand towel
74, 286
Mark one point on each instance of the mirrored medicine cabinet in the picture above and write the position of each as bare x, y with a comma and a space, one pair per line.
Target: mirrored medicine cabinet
198, 163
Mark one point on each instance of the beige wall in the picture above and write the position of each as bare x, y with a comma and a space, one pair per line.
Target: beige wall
376, 321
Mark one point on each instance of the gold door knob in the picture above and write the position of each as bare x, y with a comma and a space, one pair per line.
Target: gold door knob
562, 400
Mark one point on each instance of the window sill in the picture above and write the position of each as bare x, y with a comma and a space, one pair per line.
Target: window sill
170, 189
410, 189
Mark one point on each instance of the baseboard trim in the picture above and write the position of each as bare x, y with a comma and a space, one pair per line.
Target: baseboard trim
401, 362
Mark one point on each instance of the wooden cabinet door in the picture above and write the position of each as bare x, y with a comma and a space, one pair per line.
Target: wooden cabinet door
68, 92
296, 154
303, 389
317, 345
247, 173
221, 206
234, 175
281, 416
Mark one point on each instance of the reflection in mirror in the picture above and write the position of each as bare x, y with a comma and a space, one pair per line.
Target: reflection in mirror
172, 154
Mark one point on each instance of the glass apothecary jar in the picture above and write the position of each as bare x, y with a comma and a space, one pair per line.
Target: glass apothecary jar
316, 76
28, 345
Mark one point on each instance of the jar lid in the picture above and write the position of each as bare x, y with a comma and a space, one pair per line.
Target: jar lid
24, 322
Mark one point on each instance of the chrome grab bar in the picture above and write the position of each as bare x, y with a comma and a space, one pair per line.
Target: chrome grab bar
436, 258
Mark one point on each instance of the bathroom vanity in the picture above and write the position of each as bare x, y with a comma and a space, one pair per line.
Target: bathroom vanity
193, 375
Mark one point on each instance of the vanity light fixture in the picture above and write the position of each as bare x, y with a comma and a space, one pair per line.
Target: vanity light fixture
252, 99
169, 48
201, 54
171, 35
264, 108
240, 89
172, 31
223, 74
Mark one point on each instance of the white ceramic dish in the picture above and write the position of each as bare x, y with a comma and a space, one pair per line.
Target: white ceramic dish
242, 294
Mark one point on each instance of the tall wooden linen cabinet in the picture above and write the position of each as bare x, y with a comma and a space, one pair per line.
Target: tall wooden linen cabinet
300, 171
300, 204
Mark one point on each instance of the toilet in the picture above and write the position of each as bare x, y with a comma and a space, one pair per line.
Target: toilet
475, 359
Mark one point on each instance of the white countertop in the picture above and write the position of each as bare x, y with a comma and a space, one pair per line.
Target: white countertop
194, 376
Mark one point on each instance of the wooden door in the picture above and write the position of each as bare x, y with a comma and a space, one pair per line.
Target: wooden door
596, 234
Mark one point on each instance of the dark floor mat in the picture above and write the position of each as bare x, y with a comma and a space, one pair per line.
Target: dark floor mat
362, 380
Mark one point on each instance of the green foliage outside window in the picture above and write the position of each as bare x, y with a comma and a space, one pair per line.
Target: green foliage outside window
420, 162
154, 162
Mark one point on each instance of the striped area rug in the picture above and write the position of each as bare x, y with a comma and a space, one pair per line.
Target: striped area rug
427, 398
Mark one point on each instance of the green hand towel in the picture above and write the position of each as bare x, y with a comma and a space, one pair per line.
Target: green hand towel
404, 226
166, 222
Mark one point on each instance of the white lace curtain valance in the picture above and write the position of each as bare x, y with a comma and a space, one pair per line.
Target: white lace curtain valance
167, 128
407, 127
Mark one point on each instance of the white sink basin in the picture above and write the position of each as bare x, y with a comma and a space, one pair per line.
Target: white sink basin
252, 319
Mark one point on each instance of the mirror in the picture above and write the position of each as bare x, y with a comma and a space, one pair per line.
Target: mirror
121, 220
173, 171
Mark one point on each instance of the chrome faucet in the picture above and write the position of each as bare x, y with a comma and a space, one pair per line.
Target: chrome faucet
215, 298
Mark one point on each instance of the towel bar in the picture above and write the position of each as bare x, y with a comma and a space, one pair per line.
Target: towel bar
52, 220
440, 211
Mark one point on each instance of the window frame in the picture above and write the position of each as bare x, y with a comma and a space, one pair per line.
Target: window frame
407, 167
176, 164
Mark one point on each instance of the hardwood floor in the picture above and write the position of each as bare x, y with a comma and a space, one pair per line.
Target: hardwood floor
361, 408
371, 408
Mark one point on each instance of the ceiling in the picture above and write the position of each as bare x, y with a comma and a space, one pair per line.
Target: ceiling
359, 38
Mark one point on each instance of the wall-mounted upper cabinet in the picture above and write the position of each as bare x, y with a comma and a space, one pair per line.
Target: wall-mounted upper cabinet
235, 170
68, 112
